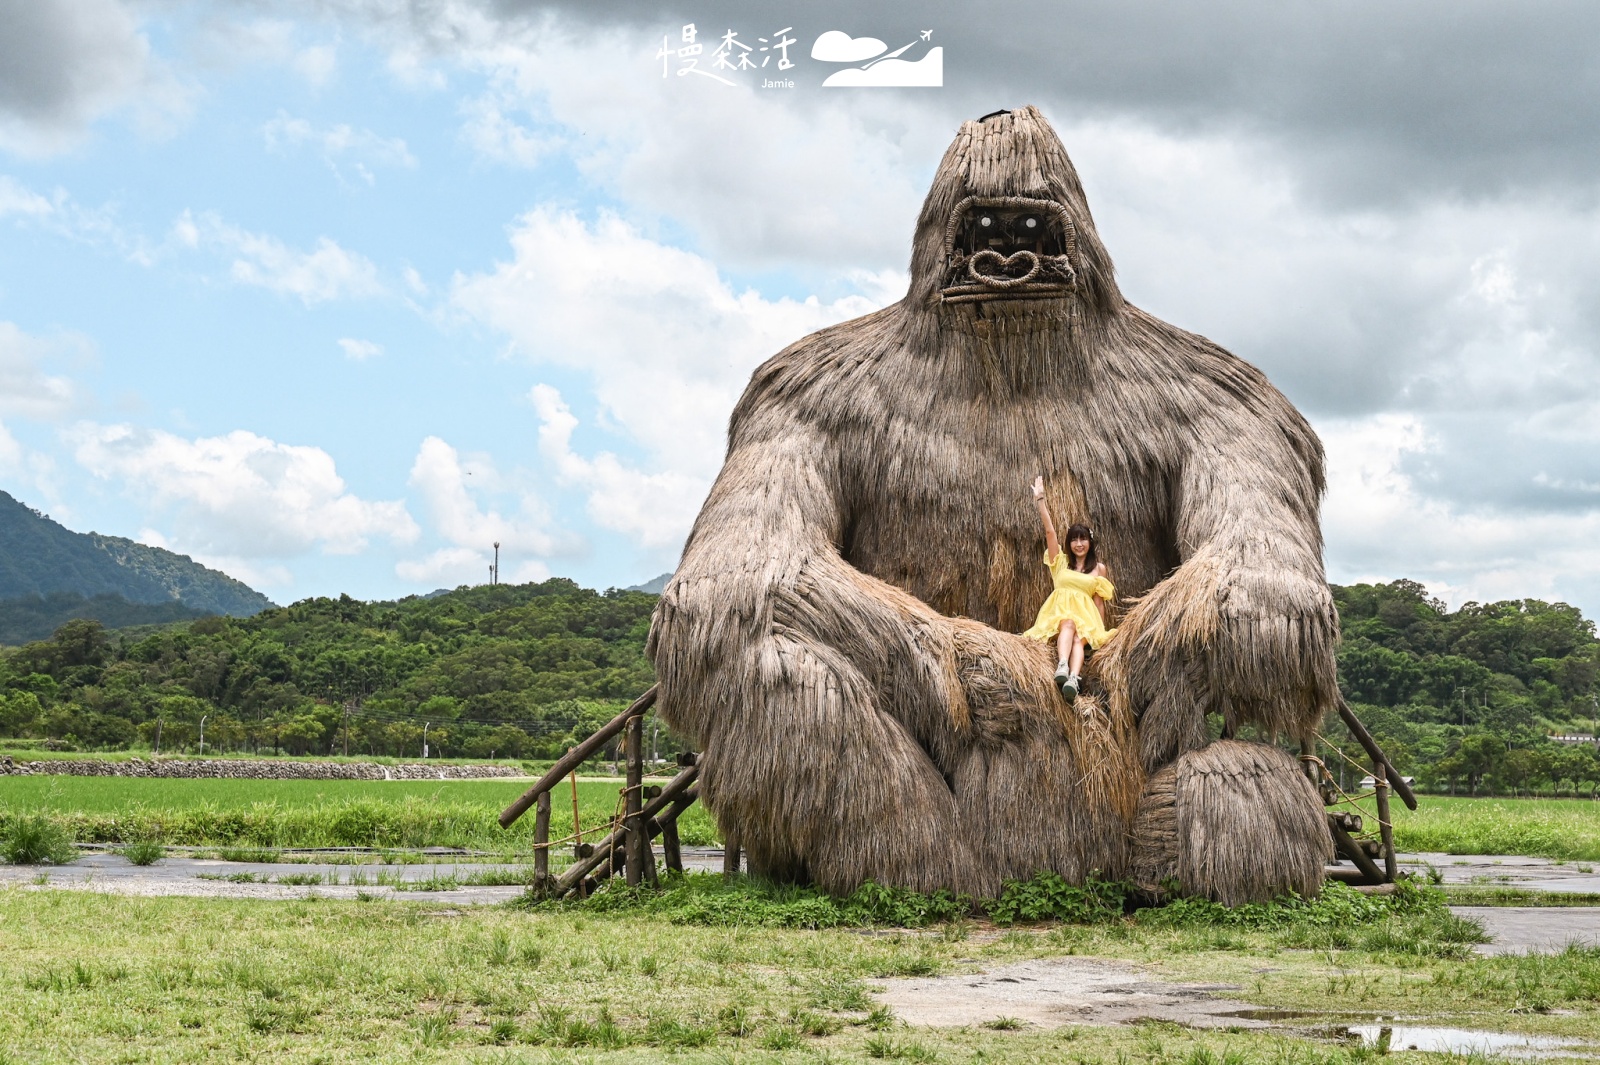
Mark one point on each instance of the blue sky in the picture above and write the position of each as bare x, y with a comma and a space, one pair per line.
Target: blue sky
332, 295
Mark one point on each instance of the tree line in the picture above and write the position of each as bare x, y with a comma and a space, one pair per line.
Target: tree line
512, 671
1463, 700
1468, 700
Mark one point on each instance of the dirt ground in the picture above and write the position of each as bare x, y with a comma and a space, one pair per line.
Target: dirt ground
1051, 992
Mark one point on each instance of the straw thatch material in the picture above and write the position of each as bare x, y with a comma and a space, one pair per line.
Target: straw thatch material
815, 642
1202, 818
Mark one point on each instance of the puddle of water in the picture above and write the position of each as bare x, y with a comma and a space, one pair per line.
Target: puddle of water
1386, 1038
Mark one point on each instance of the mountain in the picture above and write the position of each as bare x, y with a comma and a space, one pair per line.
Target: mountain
655, 586
40, 558
36, 617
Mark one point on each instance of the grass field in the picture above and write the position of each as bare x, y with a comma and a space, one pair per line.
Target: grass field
320, 813
310, 813
103, 978
1543, 828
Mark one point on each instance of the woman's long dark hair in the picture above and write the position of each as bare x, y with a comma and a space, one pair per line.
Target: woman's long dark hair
1090, 560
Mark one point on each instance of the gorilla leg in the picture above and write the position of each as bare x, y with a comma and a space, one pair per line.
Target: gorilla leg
824, 787
1235, 822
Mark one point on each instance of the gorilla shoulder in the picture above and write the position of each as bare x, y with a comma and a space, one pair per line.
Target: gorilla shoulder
820, 380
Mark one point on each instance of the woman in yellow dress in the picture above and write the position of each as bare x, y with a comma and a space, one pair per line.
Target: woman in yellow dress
1075, 612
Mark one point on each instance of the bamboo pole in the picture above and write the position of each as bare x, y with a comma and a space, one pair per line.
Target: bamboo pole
541, 844
1363, 737
1380, 789
633, 801
575, 757
577, 825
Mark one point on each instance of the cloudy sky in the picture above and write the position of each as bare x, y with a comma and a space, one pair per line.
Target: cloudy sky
333, 294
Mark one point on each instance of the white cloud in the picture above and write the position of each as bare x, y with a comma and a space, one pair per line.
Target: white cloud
450, 485
669, 343
655, 510
12, 456
359, 349
759, 182
342, 147
493, 133
65, 63
327, 272
18, 200
241, 495
317, 64
26, 389
1380, 526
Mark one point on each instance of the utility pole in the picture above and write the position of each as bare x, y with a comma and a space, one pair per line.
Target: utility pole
203, 735
425, 739
496, 562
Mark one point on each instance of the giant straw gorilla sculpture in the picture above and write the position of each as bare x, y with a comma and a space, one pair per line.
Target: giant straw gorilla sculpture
838, 639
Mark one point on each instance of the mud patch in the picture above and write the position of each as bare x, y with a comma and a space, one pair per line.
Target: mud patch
1052, 992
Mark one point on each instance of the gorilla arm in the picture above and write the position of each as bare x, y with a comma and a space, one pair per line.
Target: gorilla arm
826, 703
1245, 626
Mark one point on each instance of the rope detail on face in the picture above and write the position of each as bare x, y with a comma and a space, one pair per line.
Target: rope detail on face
1003, 262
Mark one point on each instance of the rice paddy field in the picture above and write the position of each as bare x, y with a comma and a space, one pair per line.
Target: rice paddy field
1566, 829
312, 813
359, 813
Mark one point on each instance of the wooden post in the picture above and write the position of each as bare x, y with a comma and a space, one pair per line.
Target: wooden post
541, 844
633, 802
1380, 778
671, 853
1307, 750
730, 855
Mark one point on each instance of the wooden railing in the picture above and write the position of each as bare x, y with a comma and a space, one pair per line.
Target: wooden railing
1345, 825
647, 812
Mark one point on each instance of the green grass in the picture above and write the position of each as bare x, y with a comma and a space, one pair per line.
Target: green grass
309, 813
144, 852
189, 980
1542, 828
35, 839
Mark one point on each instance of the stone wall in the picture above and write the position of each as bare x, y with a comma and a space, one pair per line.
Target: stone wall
251, 769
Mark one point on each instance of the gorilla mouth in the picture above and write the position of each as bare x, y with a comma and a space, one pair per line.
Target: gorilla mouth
1009, 247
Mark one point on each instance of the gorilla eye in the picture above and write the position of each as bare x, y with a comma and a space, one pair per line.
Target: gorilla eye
986, 221
1030, 223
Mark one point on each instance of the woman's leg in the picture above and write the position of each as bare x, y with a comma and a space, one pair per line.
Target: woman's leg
1076, 661
1066, 639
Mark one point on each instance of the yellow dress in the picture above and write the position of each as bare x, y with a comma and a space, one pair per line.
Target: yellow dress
1073, 598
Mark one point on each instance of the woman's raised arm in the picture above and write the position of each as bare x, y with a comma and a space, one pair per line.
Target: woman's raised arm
1052, 546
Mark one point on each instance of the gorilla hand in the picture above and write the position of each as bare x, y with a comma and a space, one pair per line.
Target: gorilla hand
1242, 630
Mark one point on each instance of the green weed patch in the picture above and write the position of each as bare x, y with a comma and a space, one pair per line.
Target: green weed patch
35, 839
710, 899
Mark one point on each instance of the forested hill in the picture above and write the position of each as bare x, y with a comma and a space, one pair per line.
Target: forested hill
1467, 700
518, 670
1463, 700
39, 558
